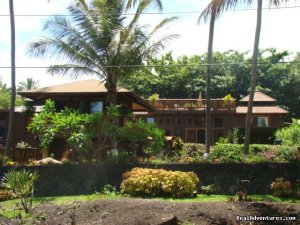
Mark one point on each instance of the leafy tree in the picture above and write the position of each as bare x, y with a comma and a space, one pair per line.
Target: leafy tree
95, 39
290, 135
143, 137
92, 134
4, 96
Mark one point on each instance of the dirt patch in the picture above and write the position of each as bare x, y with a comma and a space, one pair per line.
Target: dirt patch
152, 212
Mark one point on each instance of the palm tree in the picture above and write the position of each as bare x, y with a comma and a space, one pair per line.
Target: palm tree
95, 40
9, 139
208, 75
29, 84
132, 3
217, 7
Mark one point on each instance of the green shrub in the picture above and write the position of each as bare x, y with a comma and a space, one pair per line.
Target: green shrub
20, 183
257, 153
281, 188
227, 152
190, 153
159, 182
290, 135
208, 190
6, 195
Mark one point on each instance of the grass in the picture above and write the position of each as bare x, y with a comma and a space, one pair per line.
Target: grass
7, 208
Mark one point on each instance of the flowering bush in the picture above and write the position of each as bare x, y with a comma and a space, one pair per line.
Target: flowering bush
159, 182
281, 188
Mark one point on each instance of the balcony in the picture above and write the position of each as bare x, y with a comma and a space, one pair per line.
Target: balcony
192, 104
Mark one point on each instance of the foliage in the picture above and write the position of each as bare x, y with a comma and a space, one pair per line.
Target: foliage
153, 98
27, 85
22, 144
99, 38
228, 101
143, 137
177, 146
6, 195
93, 134
290, 135
208, 190
21, 183
109, 189
5, 93
281, 188
258, 153
169, 80
159, 182
243, 197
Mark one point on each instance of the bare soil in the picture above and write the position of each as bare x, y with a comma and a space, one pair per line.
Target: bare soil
155, 212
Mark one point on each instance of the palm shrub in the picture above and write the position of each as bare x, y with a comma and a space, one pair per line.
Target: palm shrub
21, 184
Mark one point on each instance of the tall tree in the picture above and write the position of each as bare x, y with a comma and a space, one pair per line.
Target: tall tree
212, 15
29, 84
218, 6
9, 139
98, 39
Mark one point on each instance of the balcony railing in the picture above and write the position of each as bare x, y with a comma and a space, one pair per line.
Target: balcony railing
191, 104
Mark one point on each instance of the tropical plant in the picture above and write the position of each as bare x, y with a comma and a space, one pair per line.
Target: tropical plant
21, 183
98, 39
29, 84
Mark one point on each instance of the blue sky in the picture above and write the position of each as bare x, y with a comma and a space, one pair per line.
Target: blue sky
234, 30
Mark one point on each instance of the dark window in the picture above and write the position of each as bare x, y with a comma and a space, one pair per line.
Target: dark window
160, 120
2, 126
190, 121
201, 136
197, 121
218, 134
167, 132
167, 121
178, 121
218, 122
191, 136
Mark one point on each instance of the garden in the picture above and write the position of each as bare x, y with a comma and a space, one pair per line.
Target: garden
162, 182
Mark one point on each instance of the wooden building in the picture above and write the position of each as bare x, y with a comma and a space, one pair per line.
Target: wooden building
184, 118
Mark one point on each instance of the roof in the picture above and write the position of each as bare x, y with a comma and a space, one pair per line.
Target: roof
262, 110
259, 97
84, 86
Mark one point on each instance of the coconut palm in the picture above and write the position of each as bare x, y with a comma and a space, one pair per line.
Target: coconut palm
216, 7
212, 16
29, 84
99, 39
9, 139
132, 3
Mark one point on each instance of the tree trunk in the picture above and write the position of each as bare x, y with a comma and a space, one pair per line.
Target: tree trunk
207, 90
111, 86
9, 139
253, 79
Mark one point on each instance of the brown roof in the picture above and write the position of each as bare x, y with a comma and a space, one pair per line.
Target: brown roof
84, 86
259, 97
262, 110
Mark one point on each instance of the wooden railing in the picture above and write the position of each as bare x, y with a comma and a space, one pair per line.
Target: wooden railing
191, 104
22, 155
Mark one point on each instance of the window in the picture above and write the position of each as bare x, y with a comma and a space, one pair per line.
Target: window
167, 121
160, 120
260, 122
178, 121
150, 120
190, 121
2, 126
96, 107
218, 133
200, 121
218, 122
191, 136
